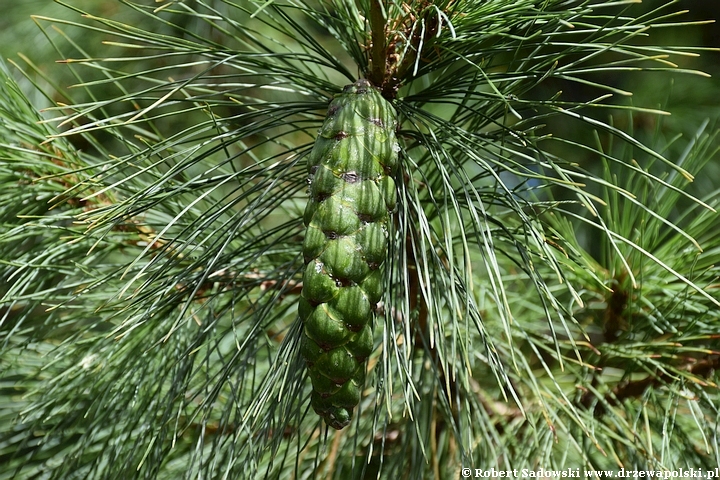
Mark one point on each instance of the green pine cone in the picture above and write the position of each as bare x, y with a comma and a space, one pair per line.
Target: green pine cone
352, 193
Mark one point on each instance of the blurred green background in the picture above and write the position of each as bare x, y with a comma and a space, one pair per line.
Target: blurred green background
691, 98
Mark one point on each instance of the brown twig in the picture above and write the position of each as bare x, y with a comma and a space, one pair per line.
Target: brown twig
227, 279
378, 25
616, 305
422, 29
702, 368
613, 321
397, 43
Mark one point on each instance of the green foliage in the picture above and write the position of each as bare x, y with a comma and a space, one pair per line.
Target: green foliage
537, 310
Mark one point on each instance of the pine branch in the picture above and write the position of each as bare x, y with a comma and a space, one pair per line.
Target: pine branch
551, 276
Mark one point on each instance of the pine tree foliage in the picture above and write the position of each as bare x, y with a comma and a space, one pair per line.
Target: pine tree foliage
550, 298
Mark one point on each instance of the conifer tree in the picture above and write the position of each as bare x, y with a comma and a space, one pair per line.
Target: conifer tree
538, 274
